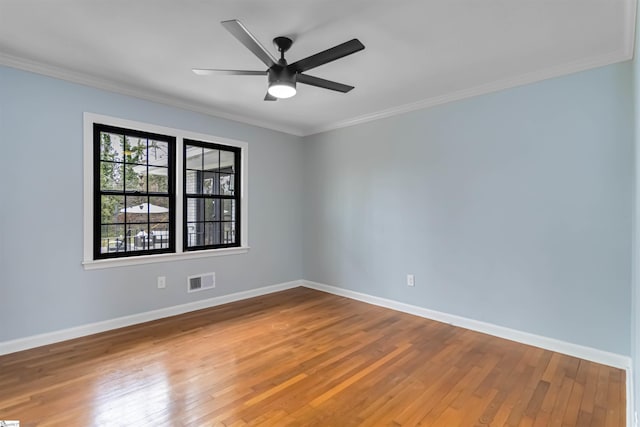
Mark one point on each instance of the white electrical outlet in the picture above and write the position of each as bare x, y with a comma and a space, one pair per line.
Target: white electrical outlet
411, 280
162, 282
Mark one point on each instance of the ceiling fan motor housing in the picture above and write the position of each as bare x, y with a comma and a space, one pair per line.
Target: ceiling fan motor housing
284, 76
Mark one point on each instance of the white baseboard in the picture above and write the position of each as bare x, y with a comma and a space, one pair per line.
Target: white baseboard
120, 322
631, 403
576, 350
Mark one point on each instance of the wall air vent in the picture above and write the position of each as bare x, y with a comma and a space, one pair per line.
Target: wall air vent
201, 281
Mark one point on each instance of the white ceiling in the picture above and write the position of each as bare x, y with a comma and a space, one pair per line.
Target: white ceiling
418, 52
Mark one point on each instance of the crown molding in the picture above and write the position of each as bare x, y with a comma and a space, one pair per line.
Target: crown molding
630, 28
524, 79
136, 92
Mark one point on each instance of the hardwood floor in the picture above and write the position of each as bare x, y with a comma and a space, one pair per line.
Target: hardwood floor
304, 358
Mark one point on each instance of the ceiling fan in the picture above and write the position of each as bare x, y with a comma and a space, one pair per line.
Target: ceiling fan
282, 77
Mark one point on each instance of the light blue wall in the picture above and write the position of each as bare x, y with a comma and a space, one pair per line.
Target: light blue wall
512, 208
43, 286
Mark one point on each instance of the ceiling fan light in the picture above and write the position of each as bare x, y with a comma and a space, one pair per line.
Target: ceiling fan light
282, 89
282, 82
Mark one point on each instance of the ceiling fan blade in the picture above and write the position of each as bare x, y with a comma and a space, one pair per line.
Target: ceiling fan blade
243, 35
336, 52
325, 84
269, 97
212, 71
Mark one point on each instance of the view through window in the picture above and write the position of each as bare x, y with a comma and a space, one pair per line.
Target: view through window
137, 207
211, 178
134, 192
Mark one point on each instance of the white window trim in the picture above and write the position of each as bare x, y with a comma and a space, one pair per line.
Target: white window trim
89, 263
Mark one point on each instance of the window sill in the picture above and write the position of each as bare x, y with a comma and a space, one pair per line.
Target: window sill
150, 259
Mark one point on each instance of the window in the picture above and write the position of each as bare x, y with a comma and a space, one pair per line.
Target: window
134, 205
156, 194
211, 202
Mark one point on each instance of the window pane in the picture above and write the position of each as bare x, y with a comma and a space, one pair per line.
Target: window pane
160, 235
191, 182
194, 158
135, 150
227, 183
228, 209
211, 159
227, 161
209, 184
159, 209
228, 233
158, 153
195, 233
211, 233
137, 210
111, 176
110, 207
158, 180
111, 147
135, 177
138, 237
159, 205
111, 238
211, 209
195, 209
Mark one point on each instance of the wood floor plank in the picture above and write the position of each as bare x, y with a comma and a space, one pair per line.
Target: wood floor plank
304, 358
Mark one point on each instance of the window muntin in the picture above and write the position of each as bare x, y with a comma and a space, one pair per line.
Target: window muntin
134, 192
211, 196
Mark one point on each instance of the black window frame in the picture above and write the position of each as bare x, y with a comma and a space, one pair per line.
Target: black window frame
237, 197
99, 128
